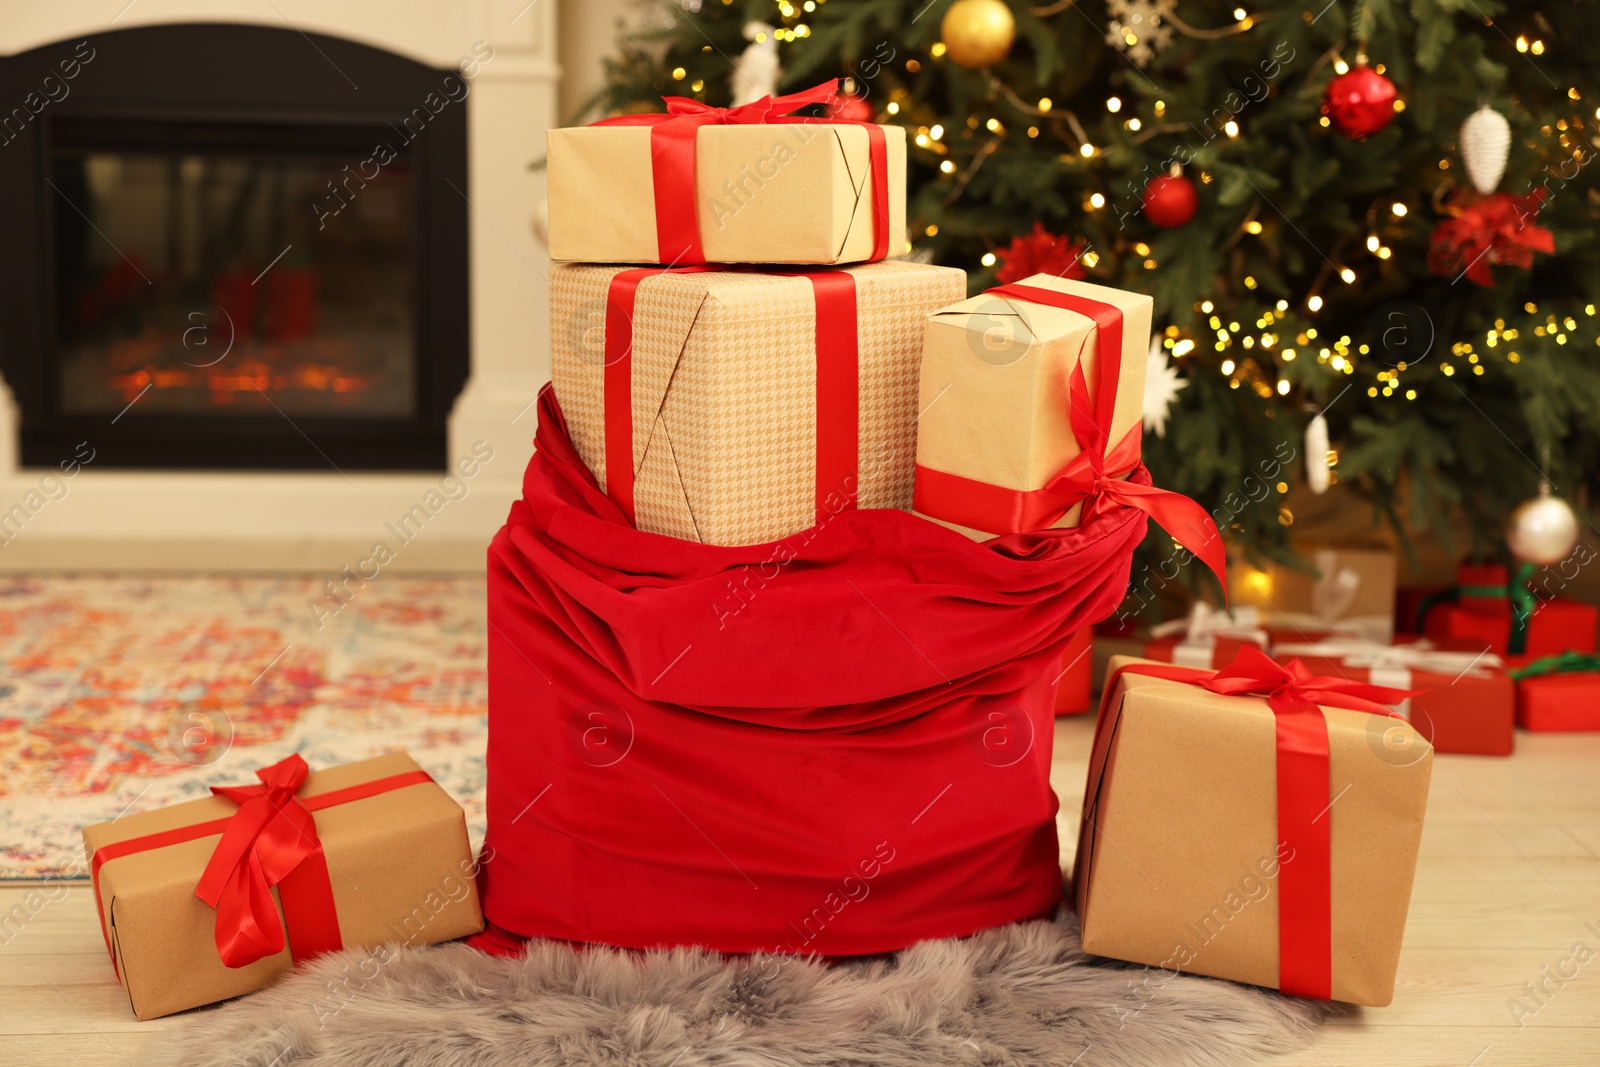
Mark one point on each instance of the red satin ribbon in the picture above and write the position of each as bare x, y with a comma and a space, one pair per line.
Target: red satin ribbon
1305, 884
838, 380
271, 840
672, 162
1095, 476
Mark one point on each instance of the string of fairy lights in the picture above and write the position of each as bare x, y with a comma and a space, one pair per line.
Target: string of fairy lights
1258, 347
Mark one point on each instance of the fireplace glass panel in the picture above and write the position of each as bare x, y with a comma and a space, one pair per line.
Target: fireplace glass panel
235, 283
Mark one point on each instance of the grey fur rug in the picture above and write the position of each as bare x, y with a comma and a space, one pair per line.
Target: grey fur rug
1020, 995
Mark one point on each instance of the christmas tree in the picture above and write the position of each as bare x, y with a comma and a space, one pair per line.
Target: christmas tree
1377, 212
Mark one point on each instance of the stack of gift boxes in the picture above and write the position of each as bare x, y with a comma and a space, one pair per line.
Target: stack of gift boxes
740, 361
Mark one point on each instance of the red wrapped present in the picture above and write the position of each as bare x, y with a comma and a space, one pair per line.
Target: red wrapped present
1076, 679
1557, 694
1466, 704
1207, 638
1489, 607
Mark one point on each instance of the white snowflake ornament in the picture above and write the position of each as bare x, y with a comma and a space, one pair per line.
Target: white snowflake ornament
1162, 383
1138, 27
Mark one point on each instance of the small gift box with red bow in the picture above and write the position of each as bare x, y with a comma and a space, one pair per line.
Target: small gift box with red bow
1030, 413
1557, 694
750, 184
1466, 704
1489, 606
218, 897
1258, 823
735, 407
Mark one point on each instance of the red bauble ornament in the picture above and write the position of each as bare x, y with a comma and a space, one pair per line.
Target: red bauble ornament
1359, 101
851, 109
1170, 201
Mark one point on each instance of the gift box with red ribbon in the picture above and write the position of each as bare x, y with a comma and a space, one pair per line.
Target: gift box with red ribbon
1258, 823
1466, 704
749, 184
218, 897
736, 407
1030, 412
1498, 609
1557, 694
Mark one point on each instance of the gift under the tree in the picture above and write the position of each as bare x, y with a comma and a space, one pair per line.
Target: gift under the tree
1076, 680
1207, 638
1465, 704
364, 855
1258, 823
734, 407
1030, 406
1491, 606
1557, 694
1352, 592
751, 184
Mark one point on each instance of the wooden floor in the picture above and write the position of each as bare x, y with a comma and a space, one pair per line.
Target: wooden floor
1507, 890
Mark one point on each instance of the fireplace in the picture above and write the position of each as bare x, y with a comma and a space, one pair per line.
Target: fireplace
232, 250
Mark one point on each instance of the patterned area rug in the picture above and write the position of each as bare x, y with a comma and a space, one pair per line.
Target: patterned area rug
122, 693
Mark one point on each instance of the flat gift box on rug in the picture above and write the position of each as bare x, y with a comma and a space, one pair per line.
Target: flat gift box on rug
737, 407
1184, 861
398, 869
779, 190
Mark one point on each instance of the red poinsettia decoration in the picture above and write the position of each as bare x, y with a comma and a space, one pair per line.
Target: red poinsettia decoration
1040, 252
1497, 230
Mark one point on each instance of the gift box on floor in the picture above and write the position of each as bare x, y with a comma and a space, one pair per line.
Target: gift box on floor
366, 854
735, 407
1077, 674
1352, 592
1467, 702
1490, 606
997, 426
1259, 838
1557, 694
742, 185
1207, 638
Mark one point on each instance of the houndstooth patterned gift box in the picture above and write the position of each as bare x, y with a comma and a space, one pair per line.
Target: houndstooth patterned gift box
724, 391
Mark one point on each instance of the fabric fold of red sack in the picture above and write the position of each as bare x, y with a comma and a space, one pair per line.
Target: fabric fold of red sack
837, 743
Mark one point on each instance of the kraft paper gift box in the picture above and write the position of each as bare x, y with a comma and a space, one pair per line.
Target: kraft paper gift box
1351, 593
398, 865
751, 405
805, 191
995, 389
1181, 859
1468, 703
1557, 694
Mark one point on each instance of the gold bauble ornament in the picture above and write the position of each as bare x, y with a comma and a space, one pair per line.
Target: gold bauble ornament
978, 33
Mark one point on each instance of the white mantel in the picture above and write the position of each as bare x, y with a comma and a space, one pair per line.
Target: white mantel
316, 520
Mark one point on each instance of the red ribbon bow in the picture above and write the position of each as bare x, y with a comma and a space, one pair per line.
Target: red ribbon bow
1096, 476
1305, 883
672, 151
270, 841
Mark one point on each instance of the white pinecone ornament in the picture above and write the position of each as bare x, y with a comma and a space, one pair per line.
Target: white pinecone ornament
1485, 143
